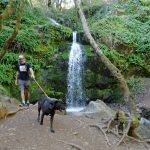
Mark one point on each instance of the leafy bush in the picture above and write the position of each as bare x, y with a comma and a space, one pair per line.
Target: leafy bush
28, 39
4, 35
55, 33
6, 74
3, 3
136, 84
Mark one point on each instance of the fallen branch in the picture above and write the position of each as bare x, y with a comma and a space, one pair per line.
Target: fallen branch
72, 145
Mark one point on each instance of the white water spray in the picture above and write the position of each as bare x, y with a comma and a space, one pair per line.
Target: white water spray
75, 93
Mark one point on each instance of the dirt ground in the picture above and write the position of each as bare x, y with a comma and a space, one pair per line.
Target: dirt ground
23, 132
72, 132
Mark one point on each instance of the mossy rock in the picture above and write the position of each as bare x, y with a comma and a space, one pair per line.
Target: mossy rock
8, 106
3, 110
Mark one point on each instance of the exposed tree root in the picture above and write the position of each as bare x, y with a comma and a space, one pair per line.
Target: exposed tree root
113, 132
139, 141
107, 140
124, 134
80, 122
14, 112
104, 133
72, 145
109, 124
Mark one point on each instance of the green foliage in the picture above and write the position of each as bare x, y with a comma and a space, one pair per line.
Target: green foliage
4, 36
65, 55
116, 58
28, 39
122, 30
55, 33
6, 74
135, 84
7, 68
32, 16
67, 18
3, 3
145, 2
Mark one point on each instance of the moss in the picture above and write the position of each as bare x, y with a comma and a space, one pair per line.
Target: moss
3, 111
65, 55
145, 2
89, 51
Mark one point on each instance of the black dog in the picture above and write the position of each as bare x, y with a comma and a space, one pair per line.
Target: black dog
48, 107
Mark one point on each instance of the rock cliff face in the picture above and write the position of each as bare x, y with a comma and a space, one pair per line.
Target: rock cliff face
98, 82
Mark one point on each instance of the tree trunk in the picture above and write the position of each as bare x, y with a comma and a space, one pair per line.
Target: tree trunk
113, 70
31, 4
60, 4
15, 32
49, 4
5, 13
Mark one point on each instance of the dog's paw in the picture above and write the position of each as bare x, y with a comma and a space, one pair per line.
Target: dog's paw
52, 130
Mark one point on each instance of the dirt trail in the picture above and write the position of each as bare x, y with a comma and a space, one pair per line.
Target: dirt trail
23, 132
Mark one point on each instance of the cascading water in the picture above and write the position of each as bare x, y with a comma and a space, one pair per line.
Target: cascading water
75, 93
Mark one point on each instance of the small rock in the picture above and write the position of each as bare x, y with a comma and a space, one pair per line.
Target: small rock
75, 133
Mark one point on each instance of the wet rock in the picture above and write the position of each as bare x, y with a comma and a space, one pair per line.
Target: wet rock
144, 129
145, 112
99, 107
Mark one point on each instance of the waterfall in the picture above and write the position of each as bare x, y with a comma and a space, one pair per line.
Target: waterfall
75, 93
54, 22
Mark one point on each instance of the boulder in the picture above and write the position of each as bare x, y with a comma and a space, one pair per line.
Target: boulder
145, 112
143, 130
8, 106
100, 108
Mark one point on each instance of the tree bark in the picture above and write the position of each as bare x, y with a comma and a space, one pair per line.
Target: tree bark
60, 4
113, 70
15, 32
5, 13
49, 3
31, 4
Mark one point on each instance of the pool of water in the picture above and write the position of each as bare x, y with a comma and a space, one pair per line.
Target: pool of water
74, 109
